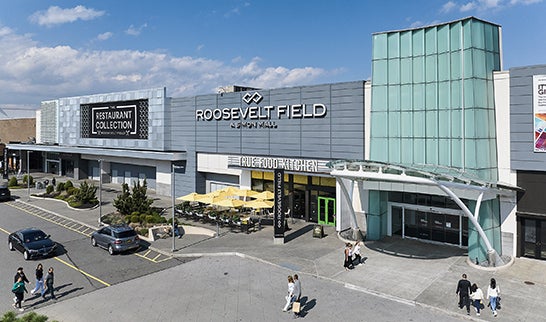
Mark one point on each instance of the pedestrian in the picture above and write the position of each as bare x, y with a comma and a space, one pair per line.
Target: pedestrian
356, 253
348, 260
476, 296
290, 297
297, 293
493, 293
463, 290
39, 280
49, 283
53, 182
19, 289
177, 230
20, 274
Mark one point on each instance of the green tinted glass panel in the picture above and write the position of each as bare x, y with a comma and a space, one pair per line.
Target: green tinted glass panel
478, 34
467, 34
405, 44
468, 69
444, 67
419, 151
394, 150
419, 124
379, 124
418, 42
394, 98
419, 96
406, 97
455, 94
443, 38
406, 123
407, 151
479, 88
481, 119
393, 41
455, 63
379, 98
379, 46
444, 120
418, 69
479, 63
470, 154
430, 41
406, 70
378, 149
444, 151
431, 68
394, 124
444, 93
431, 98
456, 153
469, 122
469, 93
394, 71
431, 123
379, 72
455, 36
431, 152
456, 124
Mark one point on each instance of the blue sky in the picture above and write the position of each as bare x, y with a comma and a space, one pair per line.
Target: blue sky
52, 49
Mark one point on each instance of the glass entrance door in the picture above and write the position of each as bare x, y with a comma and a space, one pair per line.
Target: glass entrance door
534, 238
327, 211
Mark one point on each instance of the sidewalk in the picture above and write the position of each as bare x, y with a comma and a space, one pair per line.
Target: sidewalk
406, 271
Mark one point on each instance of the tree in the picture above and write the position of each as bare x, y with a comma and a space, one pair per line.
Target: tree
128, 203
86, 194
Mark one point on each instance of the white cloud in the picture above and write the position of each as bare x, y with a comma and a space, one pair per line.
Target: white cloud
467, 7
135, 31
483, 5
30, 73
105, 36
55, 15
448, 7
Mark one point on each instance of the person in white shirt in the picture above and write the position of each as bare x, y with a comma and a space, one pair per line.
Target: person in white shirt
493, 293
356, 253
476, 296
290, 297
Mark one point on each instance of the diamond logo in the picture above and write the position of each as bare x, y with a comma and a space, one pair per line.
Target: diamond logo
254, 97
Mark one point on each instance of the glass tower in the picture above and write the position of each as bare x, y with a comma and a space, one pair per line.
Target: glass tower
432, 96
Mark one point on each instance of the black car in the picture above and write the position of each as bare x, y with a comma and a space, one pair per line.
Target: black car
5, 193
32, 242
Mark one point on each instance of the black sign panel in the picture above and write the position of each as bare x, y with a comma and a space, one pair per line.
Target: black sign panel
279, 194
115, 120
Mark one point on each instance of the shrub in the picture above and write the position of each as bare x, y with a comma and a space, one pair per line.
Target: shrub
150, 219
29, 317
60, 186
128, 202
26, 178
86, 194
70, 190
135, 218
142, 218
49, 189
143, 232
68, 184
12, 182
75, 204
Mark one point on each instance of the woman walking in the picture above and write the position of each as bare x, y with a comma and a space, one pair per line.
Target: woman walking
39, 280
19, 289
348, 263
290, 297
476, 296
493, 293
356, 253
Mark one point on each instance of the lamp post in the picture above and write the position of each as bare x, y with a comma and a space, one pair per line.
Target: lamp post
173, 192
28, 175
100, 192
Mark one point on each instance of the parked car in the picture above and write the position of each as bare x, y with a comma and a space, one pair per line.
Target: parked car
5, 193
116, 239
32, 242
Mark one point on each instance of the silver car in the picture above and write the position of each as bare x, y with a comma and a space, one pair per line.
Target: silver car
116, 239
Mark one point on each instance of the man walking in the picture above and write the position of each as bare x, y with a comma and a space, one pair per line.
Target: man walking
20, 275
463, 289
49, 283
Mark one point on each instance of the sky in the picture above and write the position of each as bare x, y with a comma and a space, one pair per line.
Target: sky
53, 49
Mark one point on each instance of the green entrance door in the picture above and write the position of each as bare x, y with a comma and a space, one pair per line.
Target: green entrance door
327, 211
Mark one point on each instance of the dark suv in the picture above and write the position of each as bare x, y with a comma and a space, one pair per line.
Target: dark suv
116, 239
5, 194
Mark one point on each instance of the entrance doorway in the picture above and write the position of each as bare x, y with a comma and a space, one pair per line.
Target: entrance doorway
428, 223
534, 238
326, 211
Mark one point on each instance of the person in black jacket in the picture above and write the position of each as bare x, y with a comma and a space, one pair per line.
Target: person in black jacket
463, 290
49, 283
20, 274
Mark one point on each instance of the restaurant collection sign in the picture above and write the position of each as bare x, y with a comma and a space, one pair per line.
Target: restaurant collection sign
115, 120
254, 115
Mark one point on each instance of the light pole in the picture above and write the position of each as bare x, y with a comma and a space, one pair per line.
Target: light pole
28, 175
100, 192
173, 192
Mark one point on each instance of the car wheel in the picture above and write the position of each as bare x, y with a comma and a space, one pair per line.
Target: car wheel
26, 255
10, 245
93, 242
111, 250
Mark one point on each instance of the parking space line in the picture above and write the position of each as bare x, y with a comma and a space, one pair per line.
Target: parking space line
81, 271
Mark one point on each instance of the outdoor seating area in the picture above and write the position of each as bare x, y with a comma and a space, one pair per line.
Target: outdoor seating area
239, 209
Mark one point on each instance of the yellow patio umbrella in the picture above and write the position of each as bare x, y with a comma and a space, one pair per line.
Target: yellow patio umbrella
259, 204
210, 198
229, 203
264, 195
245, 193
194, 196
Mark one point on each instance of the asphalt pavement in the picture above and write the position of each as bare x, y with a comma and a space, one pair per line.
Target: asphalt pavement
418, 278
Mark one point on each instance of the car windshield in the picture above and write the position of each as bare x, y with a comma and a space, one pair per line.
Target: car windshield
125, 234
34, 236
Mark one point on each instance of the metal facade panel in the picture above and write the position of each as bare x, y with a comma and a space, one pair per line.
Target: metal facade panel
521, 120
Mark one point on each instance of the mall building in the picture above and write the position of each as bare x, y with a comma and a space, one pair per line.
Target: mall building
441, 145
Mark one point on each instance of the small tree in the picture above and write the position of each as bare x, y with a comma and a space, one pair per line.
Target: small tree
86, 194
12, 182
137, 201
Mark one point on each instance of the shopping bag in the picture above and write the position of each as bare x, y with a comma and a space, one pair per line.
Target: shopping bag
296, 307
